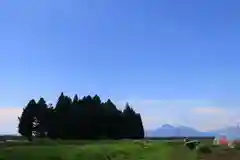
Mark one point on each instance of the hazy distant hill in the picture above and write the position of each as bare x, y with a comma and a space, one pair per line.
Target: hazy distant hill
11, 137
180, 131
231, 132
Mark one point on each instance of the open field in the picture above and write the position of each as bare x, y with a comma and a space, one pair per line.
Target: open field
112, 150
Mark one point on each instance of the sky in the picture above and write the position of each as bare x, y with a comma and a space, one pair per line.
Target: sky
174, 61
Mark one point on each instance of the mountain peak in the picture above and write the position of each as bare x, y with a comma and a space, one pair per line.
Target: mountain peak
167, 126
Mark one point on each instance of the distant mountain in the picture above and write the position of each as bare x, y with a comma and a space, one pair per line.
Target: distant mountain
167, 130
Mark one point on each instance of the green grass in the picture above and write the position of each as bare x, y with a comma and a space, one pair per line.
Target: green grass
104, 150
101, 150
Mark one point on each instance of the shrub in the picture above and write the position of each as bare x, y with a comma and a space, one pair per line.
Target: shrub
204, 149
192, 144
237, 146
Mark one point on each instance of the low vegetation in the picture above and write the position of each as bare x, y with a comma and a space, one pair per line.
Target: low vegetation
204, 150
113, 150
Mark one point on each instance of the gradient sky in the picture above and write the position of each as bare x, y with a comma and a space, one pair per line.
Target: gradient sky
175, 61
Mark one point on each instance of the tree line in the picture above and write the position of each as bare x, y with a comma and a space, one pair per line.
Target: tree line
79, 118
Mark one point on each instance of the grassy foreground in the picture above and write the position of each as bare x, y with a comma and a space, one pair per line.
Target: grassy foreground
104, 150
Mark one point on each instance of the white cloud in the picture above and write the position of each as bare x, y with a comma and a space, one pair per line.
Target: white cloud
9, 119
200, 114
216, 117
209, 110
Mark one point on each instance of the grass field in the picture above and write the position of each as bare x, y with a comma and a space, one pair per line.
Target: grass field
112, 150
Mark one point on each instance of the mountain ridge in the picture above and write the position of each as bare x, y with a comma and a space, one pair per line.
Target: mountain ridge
168, 130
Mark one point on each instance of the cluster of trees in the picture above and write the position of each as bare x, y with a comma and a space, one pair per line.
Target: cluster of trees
85, 118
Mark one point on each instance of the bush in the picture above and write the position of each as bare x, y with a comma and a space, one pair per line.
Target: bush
192, 144
204, 149
237, 146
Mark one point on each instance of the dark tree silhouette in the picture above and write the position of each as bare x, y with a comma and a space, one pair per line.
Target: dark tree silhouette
27, 119
40, 128
80, 118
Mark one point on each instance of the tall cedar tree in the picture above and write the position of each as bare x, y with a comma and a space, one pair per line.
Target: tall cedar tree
80, 118
26, 120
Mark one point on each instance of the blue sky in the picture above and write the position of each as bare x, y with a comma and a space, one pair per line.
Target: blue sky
174, 61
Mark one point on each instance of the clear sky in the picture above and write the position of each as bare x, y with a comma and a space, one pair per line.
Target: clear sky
175, 61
